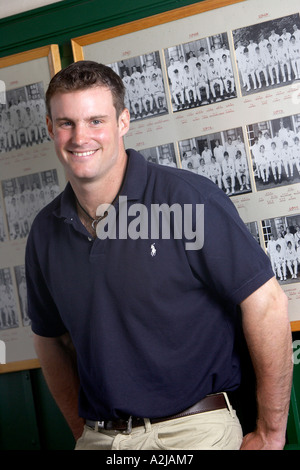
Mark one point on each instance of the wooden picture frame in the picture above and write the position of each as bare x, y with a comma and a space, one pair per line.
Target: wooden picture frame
24, 77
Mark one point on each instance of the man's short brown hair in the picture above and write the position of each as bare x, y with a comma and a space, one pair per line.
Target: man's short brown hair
86, 74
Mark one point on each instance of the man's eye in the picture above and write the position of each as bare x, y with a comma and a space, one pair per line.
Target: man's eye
96, 122
66, 124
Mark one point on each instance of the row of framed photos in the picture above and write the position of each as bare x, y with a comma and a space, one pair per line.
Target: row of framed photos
167, 83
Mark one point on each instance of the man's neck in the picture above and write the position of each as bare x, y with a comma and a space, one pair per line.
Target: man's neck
91, 194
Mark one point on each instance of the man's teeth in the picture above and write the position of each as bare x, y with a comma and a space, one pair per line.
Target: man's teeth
83, 154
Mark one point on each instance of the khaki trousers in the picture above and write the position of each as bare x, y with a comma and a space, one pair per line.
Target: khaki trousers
213, 430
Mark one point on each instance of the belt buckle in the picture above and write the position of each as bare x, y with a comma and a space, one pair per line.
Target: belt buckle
129, 426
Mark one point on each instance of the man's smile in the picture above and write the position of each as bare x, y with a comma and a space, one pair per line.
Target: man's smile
87, 153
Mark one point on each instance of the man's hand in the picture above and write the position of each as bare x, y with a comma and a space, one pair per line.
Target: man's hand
257, 441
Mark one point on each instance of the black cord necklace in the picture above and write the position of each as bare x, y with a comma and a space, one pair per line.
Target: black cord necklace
94, 221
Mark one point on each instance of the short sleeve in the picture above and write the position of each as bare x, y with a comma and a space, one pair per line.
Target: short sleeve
42, 311
231, 263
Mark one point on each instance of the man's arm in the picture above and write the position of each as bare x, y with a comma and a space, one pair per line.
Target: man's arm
268, 335
57, 357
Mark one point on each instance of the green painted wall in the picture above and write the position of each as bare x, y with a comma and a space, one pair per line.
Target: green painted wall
59, 22
29, 417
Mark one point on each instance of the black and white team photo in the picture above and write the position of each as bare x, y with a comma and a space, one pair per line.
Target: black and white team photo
221, 157
275, 151
145, 92
23, 118
200, 72
282, 242
268, 54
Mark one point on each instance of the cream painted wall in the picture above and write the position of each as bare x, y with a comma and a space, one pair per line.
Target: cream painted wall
12, 7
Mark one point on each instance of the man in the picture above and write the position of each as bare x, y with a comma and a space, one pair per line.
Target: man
275, 162
214, 78
188, 83
203, 59
195, 158
218, 151
273, 39
241, 171
248, 70
206, 154
215, 172
185, 161
260, 66
272, 63
280, 262
135, 97
287, 160
201, 81
203, 169
144, 328
294, 53
30, 125
171, 70
296, 33
264, 164
146, 97
178, 90
228, 171
271, 250
157, 90
192, 61
284, 59
227, 74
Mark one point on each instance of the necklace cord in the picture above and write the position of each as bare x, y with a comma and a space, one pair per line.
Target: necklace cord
97, 219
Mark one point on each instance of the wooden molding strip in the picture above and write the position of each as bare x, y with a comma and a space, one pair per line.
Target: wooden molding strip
19, 365
137, 25
52, 52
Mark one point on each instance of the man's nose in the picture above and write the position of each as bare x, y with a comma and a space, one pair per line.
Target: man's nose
80, 134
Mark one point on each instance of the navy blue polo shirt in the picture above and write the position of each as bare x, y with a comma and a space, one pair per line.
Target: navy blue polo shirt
153, 323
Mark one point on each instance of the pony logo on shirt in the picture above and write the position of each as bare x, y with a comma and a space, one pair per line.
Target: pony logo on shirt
153, 249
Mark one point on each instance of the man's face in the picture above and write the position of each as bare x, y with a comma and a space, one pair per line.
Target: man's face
86, 133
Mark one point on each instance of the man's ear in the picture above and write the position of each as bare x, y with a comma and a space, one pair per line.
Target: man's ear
49, 126
124, 122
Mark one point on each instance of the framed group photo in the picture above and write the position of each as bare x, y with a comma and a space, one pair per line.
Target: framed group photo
267, 53
30, 177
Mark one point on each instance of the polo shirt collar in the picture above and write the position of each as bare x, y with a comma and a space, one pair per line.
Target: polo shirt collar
135, 177
133, 185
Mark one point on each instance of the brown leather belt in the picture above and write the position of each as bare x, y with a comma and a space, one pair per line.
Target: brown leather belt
209, 403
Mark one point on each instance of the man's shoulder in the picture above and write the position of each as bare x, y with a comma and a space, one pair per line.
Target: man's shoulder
178, 180
44, 216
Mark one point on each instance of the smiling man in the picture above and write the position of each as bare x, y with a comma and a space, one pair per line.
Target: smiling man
137, 338
87, 130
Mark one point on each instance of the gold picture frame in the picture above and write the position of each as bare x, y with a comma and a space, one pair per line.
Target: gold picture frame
25, 72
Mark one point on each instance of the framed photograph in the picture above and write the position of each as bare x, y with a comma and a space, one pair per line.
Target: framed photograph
229, 82
145, 90
282, 242
200, 72
221, 157
267, 53
31, 176
275, 151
